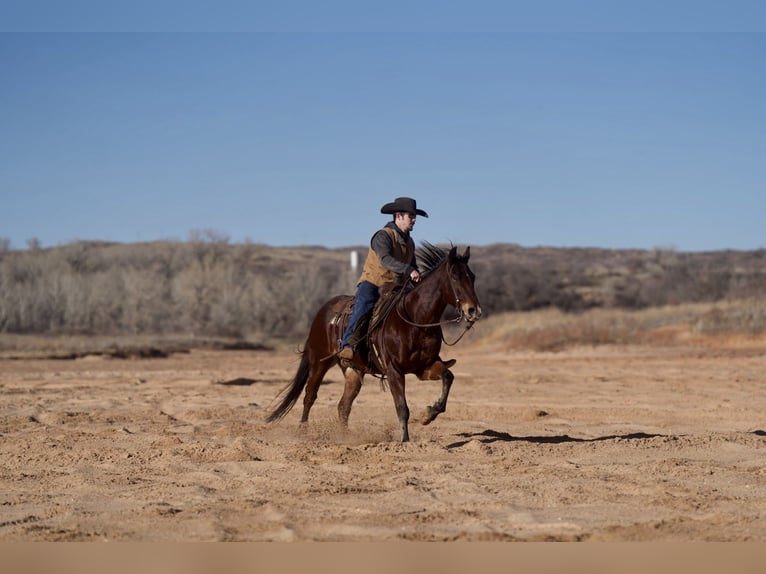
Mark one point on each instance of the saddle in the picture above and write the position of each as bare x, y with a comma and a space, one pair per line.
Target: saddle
390, 293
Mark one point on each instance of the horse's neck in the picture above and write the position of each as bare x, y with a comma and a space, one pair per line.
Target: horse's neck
425, 304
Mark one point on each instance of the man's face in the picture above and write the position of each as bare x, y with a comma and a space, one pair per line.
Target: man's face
405, 221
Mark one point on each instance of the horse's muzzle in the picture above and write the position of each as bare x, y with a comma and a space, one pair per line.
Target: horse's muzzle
472, 313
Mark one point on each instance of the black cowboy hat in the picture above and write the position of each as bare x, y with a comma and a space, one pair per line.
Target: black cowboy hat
406, 204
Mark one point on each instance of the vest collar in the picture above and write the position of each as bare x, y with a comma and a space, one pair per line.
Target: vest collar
401, 237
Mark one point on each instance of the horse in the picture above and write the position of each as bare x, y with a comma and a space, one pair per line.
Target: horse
407, 341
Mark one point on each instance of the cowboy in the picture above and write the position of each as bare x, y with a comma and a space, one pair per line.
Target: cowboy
391, 258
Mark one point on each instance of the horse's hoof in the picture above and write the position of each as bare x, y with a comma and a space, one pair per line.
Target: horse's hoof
429, 416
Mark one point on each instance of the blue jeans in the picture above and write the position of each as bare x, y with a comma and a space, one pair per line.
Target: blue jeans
366, 296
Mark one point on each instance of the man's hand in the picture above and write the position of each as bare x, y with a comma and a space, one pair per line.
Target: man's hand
415, 275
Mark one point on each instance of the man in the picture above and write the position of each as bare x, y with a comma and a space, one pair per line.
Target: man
391, 258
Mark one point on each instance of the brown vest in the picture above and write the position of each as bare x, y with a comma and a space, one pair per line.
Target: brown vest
374, 272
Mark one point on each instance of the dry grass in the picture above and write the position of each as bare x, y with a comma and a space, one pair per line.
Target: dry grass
552, 330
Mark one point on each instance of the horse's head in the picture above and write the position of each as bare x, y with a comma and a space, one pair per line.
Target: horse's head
455, 279
461, 280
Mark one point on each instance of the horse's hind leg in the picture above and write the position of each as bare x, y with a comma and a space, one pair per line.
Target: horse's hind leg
317, 371
440, 405
351, 390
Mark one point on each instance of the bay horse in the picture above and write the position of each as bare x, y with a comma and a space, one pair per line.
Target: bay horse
407, 341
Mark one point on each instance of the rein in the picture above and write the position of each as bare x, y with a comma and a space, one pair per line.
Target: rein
456, 320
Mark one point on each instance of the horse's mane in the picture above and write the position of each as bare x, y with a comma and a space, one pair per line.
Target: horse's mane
429, 257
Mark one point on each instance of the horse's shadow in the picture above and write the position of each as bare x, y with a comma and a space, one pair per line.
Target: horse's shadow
489, 436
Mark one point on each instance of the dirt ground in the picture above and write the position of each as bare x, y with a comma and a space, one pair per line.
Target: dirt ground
608, 443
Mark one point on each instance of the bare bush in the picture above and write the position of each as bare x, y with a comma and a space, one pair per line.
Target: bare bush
209, 287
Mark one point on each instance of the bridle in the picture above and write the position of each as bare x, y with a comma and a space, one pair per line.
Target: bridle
458, 306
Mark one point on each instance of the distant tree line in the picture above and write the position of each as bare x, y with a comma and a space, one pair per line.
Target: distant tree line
204, 287
208, 287
515, 278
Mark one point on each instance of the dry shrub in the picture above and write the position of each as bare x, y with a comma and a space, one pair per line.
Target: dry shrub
554, 330
741, 317
204, 288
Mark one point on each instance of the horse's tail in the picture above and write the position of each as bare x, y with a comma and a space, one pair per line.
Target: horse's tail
292, 392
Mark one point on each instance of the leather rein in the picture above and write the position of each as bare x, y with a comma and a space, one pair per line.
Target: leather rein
456, 320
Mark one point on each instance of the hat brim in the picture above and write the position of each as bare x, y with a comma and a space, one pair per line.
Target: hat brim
391, 208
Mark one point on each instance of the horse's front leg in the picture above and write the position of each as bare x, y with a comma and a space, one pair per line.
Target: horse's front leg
396, 384
440, 405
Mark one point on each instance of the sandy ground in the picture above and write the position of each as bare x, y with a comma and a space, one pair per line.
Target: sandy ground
607, 443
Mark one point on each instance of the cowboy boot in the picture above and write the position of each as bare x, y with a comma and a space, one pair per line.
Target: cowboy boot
346, 353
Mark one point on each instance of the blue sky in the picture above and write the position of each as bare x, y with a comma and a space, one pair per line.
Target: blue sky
605, 139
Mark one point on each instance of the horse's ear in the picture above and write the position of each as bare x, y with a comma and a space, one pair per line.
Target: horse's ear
467, 254
453, 252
